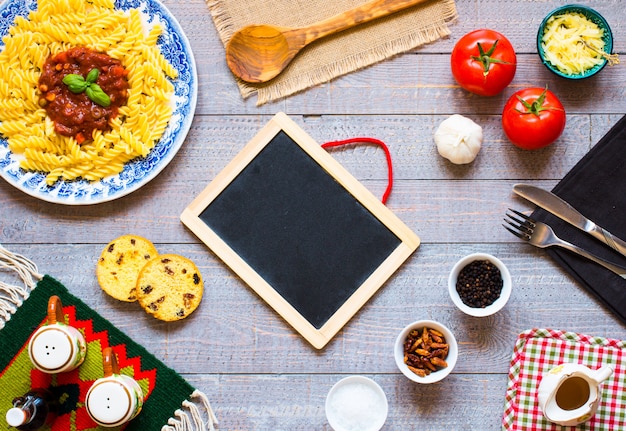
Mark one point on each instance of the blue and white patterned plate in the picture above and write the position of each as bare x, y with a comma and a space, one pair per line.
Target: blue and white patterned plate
176, 49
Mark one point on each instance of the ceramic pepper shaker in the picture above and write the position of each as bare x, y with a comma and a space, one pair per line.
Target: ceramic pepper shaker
56, 347
114, 399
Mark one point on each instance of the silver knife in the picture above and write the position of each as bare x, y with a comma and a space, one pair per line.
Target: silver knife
557, 206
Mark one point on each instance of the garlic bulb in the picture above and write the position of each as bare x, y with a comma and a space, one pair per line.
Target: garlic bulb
459, 139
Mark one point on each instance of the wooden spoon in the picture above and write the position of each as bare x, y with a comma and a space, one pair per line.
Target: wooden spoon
257, 53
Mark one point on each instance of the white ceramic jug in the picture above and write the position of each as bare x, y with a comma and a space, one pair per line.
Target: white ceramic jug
569, 394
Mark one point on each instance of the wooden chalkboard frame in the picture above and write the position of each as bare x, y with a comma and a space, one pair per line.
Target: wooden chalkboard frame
318, 337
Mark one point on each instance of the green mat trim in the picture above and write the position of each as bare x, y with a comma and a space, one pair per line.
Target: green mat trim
170, 394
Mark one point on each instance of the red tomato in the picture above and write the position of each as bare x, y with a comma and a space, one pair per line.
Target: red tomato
483, 62
533, 118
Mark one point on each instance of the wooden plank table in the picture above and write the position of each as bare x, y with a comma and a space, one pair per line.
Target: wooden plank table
258, 372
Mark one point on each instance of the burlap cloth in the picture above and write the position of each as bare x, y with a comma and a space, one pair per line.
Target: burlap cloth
337, 54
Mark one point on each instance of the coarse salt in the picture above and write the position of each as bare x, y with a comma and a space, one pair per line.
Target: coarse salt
357, 407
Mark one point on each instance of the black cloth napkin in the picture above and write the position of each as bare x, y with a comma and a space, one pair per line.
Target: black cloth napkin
596, 187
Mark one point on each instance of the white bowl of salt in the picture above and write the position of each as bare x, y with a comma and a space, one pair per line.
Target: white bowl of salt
356, 403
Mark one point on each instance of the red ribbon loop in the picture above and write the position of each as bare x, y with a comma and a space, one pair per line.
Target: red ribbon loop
370, 141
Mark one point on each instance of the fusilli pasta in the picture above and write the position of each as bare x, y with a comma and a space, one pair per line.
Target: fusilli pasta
56, 26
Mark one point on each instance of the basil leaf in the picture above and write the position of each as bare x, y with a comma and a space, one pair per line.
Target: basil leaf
95, 93
75, 83
92, 76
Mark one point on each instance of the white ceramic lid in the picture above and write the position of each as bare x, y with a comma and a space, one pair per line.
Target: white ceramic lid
109, 403
51, 349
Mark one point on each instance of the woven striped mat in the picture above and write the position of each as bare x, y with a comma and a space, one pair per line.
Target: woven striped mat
170, 402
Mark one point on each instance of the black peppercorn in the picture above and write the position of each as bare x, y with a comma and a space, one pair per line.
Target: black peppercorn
479, 284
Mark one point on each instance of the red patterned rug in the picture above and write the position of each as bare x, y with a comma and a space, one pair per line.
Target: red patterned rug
170, 402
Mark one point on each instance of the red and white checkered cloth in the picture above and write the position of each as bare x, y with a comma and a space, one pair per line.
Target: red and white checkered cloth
537, 351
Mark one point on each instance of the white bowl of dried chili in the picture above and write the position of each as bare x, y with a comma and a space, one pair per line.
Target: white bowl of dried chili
479, 284
415, 350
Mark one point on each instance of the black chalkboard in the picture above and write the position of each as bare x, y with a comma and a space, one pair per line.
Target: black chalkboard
293, 225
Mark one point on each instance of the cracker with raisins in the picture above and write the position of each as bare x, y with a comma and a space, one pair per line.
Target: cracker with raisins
169, 287
120, 263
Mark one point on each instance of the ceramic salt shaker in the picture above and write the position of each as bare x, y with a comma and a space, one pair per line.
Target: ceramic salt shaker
114, 399
56, 347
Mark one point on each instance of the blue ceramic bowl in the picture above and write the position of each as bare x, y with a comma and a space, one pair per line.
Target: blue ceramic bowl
592, 16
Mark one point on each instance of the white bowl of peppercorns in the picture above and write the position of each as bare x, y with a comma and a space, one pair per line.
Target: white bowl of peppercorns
479, 284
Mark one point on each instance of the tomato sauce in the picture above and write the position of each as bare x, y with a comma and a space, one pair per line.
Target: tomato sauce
74, 114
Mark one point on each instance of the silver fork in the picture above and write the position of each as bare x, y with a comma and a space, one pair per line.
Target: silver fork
541, 235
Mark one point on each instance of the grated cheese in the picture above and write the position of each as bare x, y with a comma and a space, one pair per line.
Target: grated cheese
564, 43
